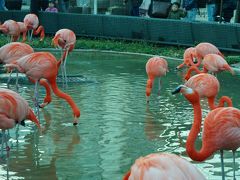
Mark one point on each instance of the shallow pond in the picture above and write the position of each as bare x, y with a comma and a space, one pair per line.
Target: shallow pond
116, 126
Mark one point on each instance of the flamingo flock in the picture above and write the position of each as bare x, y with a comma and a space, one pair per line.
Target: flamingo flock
221, 127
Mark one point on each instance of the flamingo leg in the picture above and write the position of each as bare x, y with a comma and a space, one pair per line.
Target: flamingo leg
222, 165
36, 102
9, 79
3, 135
64, 67
234, 178
17, 82
159, 86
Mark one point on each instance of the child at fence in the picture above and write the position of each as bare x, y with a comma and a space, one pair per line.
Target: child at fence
176, 12
51, 7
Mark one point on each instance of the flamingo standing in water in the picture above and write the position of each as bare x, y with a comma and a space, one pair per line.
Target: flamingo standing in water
213, 63
162, 166
11, 28
65, 39
14, 109
221, 129
32, 23
43, 65
208, 87
155, 67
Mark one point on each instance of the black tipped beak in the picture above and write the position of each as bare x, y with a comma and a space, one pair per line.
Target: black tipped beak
75, 124
22, 123
177, 90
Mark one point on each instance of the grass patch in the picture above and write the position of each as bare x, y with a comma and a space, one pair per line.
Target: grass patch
121, 46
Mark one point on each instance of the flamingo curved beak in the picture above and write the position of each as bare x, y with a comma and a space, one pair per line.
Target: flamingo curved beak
75, 121
55, 40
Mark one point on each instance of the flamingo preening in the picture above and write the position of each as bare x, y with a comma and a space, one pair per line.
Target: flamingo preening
221, 129
65, 39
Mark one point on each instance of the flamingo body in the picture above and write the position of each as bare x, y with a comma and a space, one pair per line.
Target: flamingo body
11, 27
202, 49
13, 108
13, 51
162, 166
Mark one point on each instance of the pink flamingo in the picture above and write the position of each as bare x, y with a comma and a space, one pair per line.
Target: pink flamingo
162, 166
208, 87
43, 65
32, 23
213, 63
221, 129
65, 39
14, 109
187, 58
11, 28
155, 67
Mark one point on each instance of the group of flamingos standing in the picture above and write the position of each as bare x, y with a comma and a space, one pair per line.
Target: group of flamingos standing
221, 129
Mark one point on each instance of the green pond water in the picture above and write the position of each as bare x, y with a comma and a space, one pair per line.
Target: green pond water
116, 125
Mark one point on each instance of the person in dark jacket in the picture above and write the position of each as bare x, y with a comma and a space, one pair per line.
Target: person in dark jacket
228, 9
191, 7
133, 6
176, 12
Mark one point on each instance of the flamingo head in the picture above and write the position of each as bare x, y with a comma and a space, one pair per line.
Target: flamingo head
191, 95
4, 28
56, 41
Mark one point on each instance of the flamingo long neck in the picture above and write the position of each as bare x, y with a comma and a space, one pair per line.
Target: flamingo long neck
65, 96
223, 99
149, 86
31, 116
40, 30
47, 98
190, 70
204, 152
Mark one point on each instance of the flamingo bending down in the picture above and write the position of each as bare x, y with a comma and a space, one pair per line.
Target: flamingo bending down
32, 23
14, 109
187, 58
43, 65
11, 28
208, 87
213, 63
65, 39
13, 51
162, 166
155, 67
221, 129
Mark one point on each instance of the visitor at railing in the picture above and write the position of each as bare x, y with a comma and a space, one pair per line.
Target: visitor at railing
144, 7
176, 12
191, 7
51, 7
133, 6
